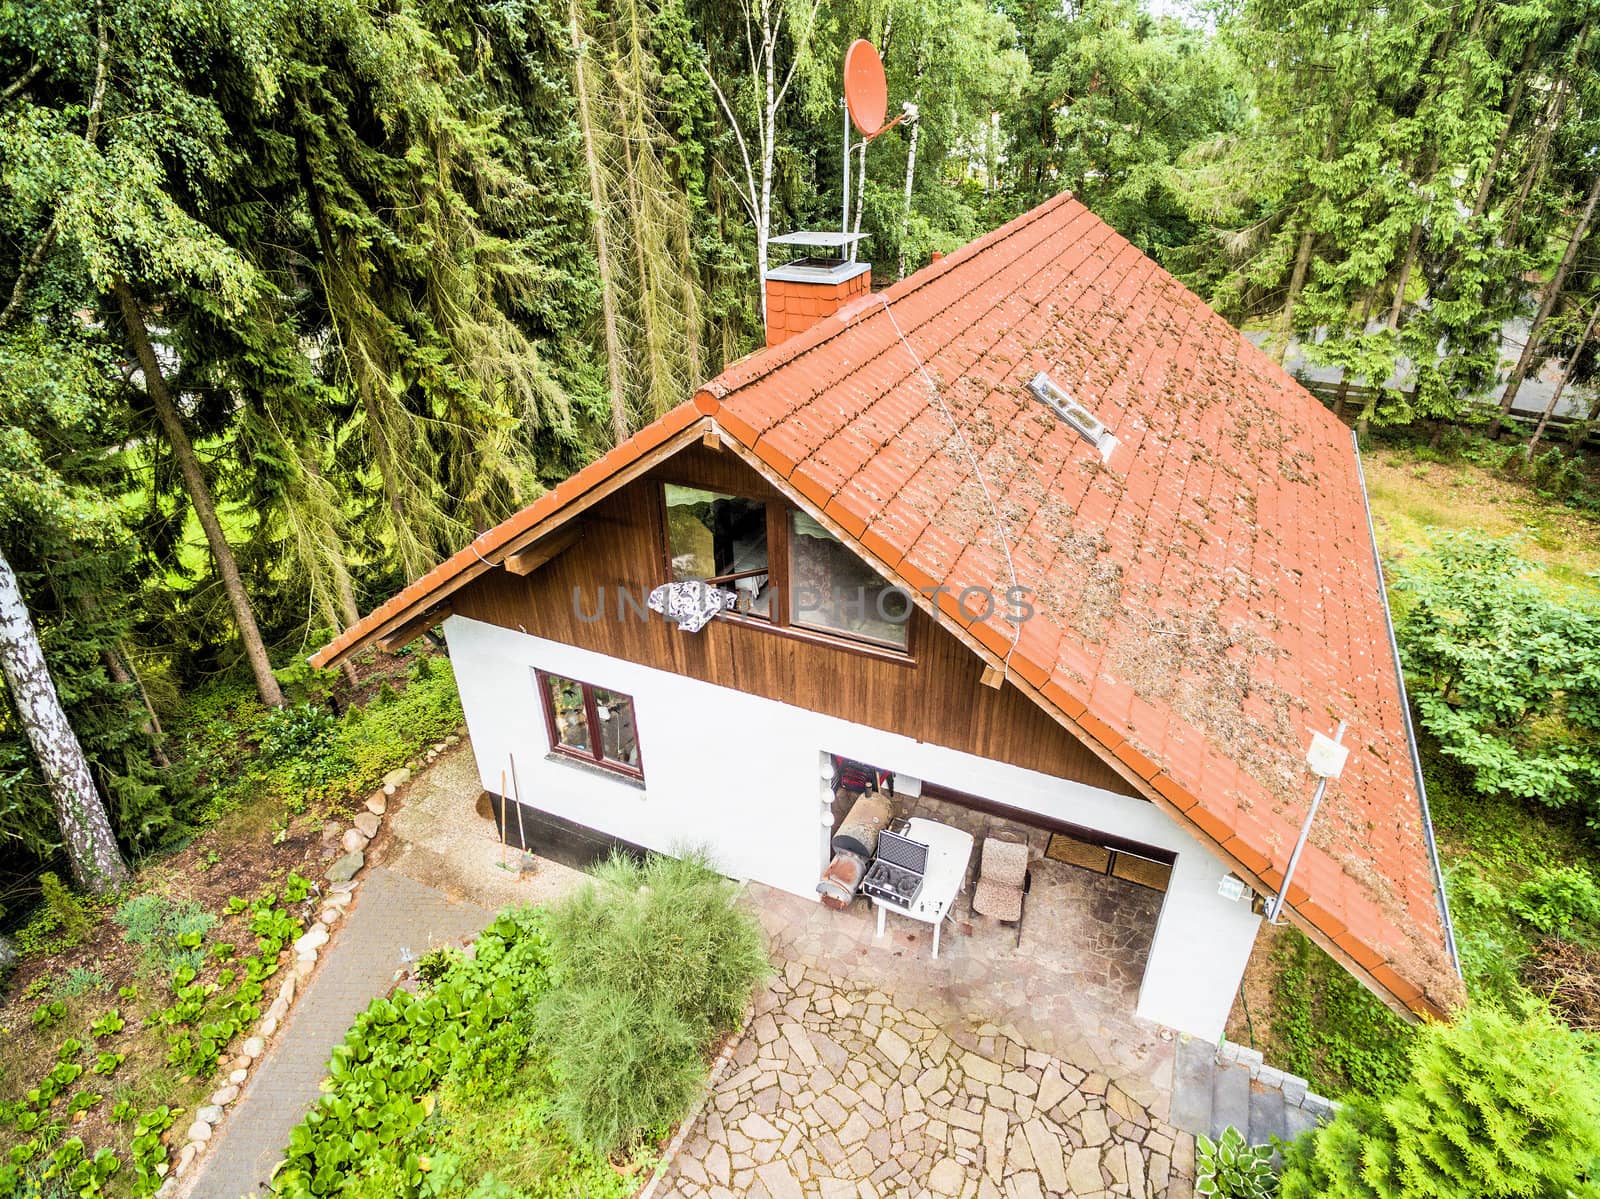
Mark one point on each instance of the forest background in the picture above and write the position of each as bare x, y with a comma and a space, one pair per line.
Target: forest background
297, 296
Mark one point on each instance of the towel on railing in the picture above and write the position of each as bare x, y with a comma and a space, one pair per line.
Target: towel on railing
691, 604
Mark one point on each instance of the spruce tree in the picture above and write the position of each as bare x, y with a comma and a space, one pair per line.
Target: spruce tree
1497, 1107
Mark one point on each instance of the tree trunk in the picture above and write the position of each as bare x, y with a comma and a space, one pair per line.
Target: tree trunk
1551, 295
1297, 279
602, 244
911, 170
97, 864
194, 482
1486, 185
1561, 384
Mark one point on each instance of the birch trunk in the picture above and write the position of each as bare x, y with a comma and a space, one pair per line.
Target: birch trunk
1552, 294
97, 864
911, 170
194, 482
758, 171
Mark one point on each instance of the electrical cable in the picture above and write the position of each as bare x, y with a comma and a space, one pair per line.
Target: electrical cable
977, 471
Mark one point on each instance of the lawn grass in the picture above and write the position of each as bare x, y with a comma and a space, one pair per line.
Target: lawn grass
1414, 499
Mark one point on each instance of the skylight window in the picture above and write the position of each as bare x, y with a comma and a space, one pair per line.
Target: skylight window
1083, 422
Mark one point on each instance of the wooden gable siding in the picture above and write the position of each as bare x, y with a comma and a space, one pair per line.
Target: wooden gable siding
936, 697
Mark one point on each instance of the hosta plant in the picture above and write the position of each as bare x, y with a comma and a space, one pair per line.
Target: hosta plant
1231, 1169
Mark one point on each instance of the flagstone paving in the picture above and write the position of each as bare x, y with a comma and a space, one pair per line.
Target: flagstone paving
839, 1091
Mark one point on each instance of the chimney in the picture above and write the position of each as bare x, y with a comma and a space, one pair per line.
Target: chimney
802, 292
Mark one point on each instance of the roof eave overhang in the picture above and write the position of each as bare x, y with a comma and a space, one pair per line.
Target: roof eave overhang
406, 615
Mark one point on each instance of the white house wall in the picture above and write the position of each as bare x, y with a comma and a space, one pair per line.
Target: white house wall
738, 774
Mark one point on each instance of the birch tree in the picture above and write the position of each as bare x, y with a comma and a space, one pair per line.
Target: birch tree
773, 30
97, 864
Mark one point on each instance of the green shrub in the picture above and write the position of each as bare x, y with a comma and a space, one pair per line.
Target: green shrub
1505, 676
625, 1064
657, 955
80, 980
1231, 1169
67, 909
666, 926
170, 932
293, 731
1494, 1105
1554, 900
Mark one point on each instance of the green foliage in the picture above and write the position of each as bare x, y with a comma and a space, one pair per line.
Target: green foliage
652, 961
436, 963
1553, 900
1494, 1105
1331, 1028
170, 932
471, 1023
1229, 1168
626, 1064
1506, 678
79, 981
67, 909
477, 1084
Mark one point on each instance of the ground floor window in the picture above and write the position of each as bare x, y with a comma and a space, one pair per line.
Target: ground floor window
591, 724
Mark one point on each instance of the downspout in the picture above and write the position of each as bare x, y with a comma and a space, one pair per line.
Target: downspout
1405, 714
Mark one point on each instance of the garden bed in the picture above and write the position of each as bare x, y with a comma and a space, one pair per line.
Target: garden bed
553, 1059
273, 802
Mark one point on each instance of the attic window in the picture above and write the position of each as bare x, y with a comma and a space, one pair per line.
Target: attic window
1088, 426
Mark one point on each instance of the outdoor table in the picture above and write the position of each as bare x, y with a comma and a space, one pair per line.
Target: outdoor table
949, 851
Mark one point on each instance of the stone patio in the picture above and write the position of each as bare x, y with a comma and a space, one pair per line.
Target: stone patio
840, 1089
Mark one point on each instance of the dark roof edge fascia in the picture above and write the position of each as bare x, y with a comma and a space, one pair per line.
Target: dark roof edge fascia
1405, 715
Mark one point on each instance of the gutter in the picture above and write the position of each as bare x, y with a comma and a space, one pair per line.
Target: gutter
1405, 713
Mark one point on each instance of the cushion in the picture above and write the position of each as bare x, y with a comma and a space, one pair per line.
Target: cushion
1004, 862
998, 901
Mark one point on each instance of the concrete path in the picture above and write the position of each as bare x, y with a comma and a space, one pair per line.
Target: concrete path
1213, 1089
394, 919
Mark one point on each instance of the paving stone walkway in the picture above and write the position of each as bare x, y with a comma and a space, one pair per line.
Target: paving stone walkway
838, 1091
394, 919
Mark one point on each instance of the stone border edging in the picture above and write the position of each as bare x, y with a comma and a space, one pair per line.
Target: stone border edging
342, 880
1296, 1090
686, 1125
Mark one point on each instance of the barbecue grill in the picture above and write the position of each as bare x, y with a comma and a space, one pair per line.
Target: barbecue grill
897, 870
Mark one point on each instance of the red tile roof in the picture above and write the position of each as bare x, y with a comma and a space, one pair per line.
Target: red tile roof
1203, 599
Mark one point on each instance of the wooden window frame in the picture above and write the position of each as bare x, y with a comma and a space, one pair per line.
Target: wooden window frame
596, 757
777, 621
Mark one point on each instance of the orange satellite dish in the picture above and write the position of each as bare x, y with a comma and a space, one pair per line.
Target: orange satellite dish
866, 91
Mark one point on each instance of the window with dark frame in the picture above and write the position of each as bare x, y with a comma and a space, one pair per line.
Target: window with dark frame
590, 724
721, 539
788, 569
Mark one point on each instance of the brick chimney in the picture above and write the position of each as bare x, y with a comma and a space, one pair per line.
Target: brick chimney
802, 292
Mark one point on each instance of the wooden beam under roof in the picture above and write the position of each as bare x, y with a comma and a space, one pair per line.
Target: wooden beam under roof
526, 561
408, 632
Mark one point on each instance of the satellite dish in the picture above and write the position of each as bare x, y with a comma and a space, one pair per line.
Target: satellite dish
866, 91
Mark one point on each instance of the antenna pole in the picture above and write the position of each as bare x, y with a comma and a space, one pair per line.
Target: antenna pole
1275, 908
844, 218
